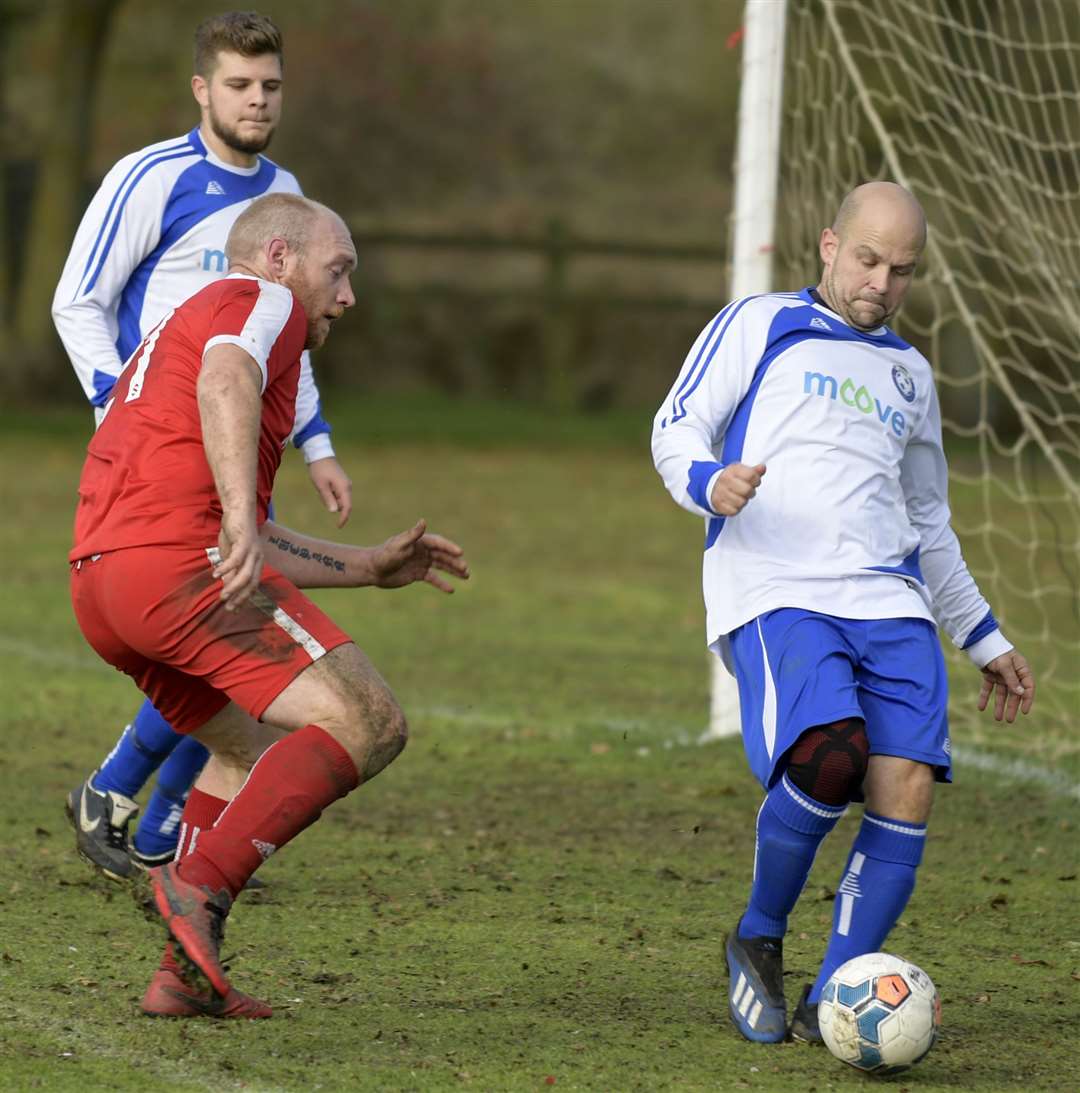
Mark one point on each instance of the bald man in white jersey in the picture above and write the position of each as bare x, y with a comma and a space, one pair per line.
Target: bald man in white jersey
808, 436
154, 235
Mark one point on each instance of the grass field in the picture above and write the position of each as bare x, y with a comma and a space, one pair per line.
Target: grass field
534, 895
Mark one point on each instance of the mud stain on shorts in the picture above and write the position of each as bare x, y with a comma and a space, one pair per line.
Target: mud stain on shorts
251, 630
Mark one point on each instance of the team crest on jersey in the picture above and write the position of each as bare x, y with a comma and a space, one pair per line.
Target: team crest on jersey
904, 383
820, 324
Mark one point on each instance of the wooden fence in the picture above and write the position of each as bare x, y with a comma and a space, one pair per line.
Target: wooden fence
557, 248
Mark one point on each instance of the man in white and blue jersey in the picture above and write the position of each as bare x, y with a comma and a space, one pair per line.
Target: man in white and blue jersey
153, 235
808, 436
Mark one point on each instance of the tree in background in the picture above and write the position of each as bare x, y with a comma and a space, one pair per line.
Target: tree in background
74, 34
611, 118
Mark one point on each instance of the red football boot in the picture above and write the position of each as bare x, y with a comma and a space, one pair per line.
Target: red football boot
170, 996
196, 919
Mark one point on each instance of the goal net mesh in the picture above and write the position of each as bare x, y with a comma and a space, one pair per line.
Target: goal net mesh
974, 105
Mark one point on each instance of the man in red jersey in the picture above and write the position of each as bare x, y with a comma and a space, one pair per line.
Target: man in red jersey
179, 580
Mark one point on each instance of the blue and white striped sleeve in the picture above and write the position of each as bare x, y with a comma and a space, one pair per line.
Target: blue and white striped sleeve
119, 229
958, 606
312, 431
688, 430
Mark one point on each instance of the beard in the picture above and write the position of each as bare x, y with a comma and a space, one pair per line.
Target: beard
316, 334
317, 328
248, 146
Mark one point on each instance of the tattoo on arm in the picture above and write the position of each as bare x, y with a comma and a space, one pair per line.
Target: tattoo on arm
309, 555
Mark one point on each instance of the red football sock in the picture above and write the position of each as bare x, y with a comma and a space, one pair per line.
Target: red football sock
201, 811
169, 962
286, 791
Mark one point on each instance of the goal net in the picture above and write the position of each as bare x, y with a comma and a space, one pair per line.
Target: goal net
974, 105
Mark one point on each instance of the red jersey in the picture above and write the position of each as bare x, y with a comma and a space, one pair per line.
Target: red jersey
146, 480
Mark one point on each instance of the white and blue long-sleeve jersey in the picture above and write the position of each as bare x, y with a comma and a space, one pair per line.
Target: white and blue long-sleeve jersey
153, 235
852, 516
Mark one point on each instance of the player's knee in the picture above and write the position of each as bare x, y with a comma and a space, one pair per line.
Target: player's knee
828, 762
381, 736
373, 729
899, 788
388, 724
396, 732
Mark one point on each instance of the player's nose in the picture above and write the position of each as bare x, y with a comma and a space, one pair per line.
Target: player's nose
879, 280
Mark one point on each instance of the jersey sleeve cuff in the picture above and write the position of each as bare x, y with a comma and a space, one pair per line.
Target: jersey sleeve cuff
709, 489
986, 649
317, 447
104, 382
700, 482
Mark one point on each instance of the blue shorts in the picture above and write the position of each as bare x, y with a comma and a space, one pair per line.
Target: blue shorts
797, 669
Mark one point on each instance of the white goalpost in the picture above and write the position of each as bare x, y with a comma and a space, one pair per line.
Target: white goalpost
975, 107
757, 162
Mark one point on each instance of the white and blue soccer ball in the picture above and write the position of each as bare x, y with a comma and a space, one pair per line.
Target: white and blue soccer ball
879, 1013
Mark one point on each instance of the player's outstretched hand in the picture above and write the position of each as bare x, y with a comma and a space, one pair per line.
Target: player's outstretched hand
334, 486
1012, 684
417, 555
241, 564
736, 484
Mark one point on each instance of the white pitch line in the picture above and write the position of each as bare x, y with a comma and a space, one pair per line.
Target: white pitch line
75, 662
966, 755
1017, 770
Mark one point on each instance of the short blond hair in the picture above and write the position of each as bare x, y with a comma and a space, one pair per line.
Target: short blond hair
273, 216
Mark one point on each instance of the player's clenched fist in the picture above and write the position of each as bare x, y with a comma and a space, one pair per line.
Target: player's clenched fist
736, 484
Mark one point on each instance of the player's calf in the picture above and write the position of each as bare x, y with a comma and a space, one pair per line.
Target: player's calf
236, 741
825, 771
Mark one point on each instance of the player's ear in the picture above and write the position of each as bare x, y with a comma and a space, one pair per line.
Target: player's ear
277, 255
828, 245
200, 90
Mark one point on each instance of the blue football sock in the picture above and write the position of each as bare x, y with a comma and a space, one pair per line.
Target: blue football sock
878, 881
790, 827
159, 827
145, 745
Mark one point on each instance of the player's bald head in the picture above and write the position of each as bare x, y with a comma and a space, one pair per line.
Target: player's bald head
293, 241
879, 207
870, 253
290, 217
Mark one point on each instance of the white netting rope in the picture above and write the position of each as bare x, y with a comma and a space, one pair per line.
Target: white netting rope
975, 106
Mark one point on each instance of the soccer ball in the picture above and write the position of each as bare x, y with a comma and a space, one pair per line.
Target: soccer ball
879, 1013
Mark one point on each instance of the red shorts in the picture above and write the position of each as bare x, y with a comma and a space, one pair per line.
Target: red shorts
156, 614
